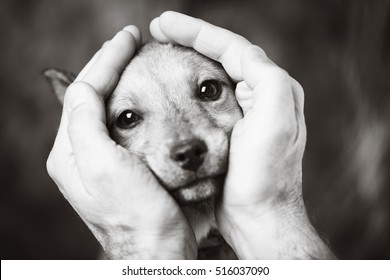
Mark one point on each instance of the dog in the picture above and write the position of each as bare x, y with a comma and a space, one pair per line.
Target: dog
175, 109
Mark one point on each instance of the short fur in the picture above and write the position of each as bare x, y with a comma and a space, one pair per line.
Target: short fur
161, 84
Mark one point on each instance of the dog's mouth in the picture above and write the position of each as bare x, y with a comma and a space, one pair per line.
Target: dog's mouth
199, 190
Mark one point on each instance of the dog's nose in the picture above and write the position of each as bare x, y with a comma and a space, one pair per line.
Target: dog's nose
189, 154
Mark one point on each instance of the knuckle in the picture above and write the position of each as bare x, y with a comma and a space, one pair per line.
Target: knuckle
298, 91
286, 130
298, 86
302, 135
278, 74
107, 168
73, 88
79, 118
78, 90
71, 93
105, 44
101, 174
51, 166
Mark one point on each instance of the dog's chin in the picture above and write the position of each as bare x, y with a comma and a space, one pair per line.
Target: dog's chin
199, 191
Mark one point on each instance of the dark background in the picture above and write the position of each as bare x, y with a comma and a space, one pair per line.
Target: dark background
338, 50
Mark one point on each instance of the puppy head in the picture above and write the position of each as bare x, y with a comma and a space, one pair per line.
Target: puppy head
175, 109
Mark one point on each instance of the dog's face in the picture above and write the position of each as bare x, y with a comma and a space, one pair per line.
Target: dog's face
175, 109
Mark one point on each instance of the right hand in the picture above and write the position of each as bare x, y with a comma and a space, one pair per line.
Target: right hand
114, 193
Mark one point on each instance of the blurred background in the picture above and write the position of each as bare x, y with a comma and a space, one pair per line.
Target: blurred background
338, 50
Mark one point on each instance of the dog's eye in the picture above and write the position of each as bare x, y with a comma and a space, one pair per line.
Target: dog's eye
127, 119
210, 90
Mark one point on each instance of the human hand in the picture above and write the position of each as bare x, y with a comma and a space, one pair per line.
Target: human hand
118, 198
261, 213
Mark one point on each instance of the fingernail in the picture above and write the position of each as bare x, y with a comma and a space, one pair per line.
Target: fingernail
130, 28
154, 23
116, 38
156, 32
135, 32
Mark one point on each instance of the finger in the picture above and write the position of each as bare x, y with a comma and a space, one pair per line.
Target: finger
61, 164
273, 98
275, 92
62, 160
298, 94
88, 66
134, 30
86, 127
84, 100
64, 176
61, 155
244, 96
299, 113
264, 78
212, 41
99, 65
104, 73
156, 32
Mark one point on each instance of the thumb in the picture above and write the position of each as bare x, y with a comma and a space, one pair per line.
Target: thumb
86, 126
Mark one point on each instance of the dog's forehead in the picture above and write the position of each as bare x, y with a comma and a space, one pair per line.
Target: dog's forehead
163, 72
167, 61
161, 66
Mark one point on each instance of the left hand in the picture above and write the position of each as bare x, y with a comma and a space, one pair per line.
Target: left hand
261, 213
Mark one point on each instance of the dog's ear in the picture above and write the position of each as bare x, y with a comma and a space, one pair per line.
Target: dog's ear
59, 81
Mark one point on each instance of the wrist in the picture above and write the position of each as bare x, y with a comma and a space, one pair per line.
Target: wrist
150, 247
125, 243
272, 232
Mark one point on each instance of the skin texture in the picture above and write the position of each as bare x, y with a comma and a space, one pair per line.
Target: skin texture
261, 213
